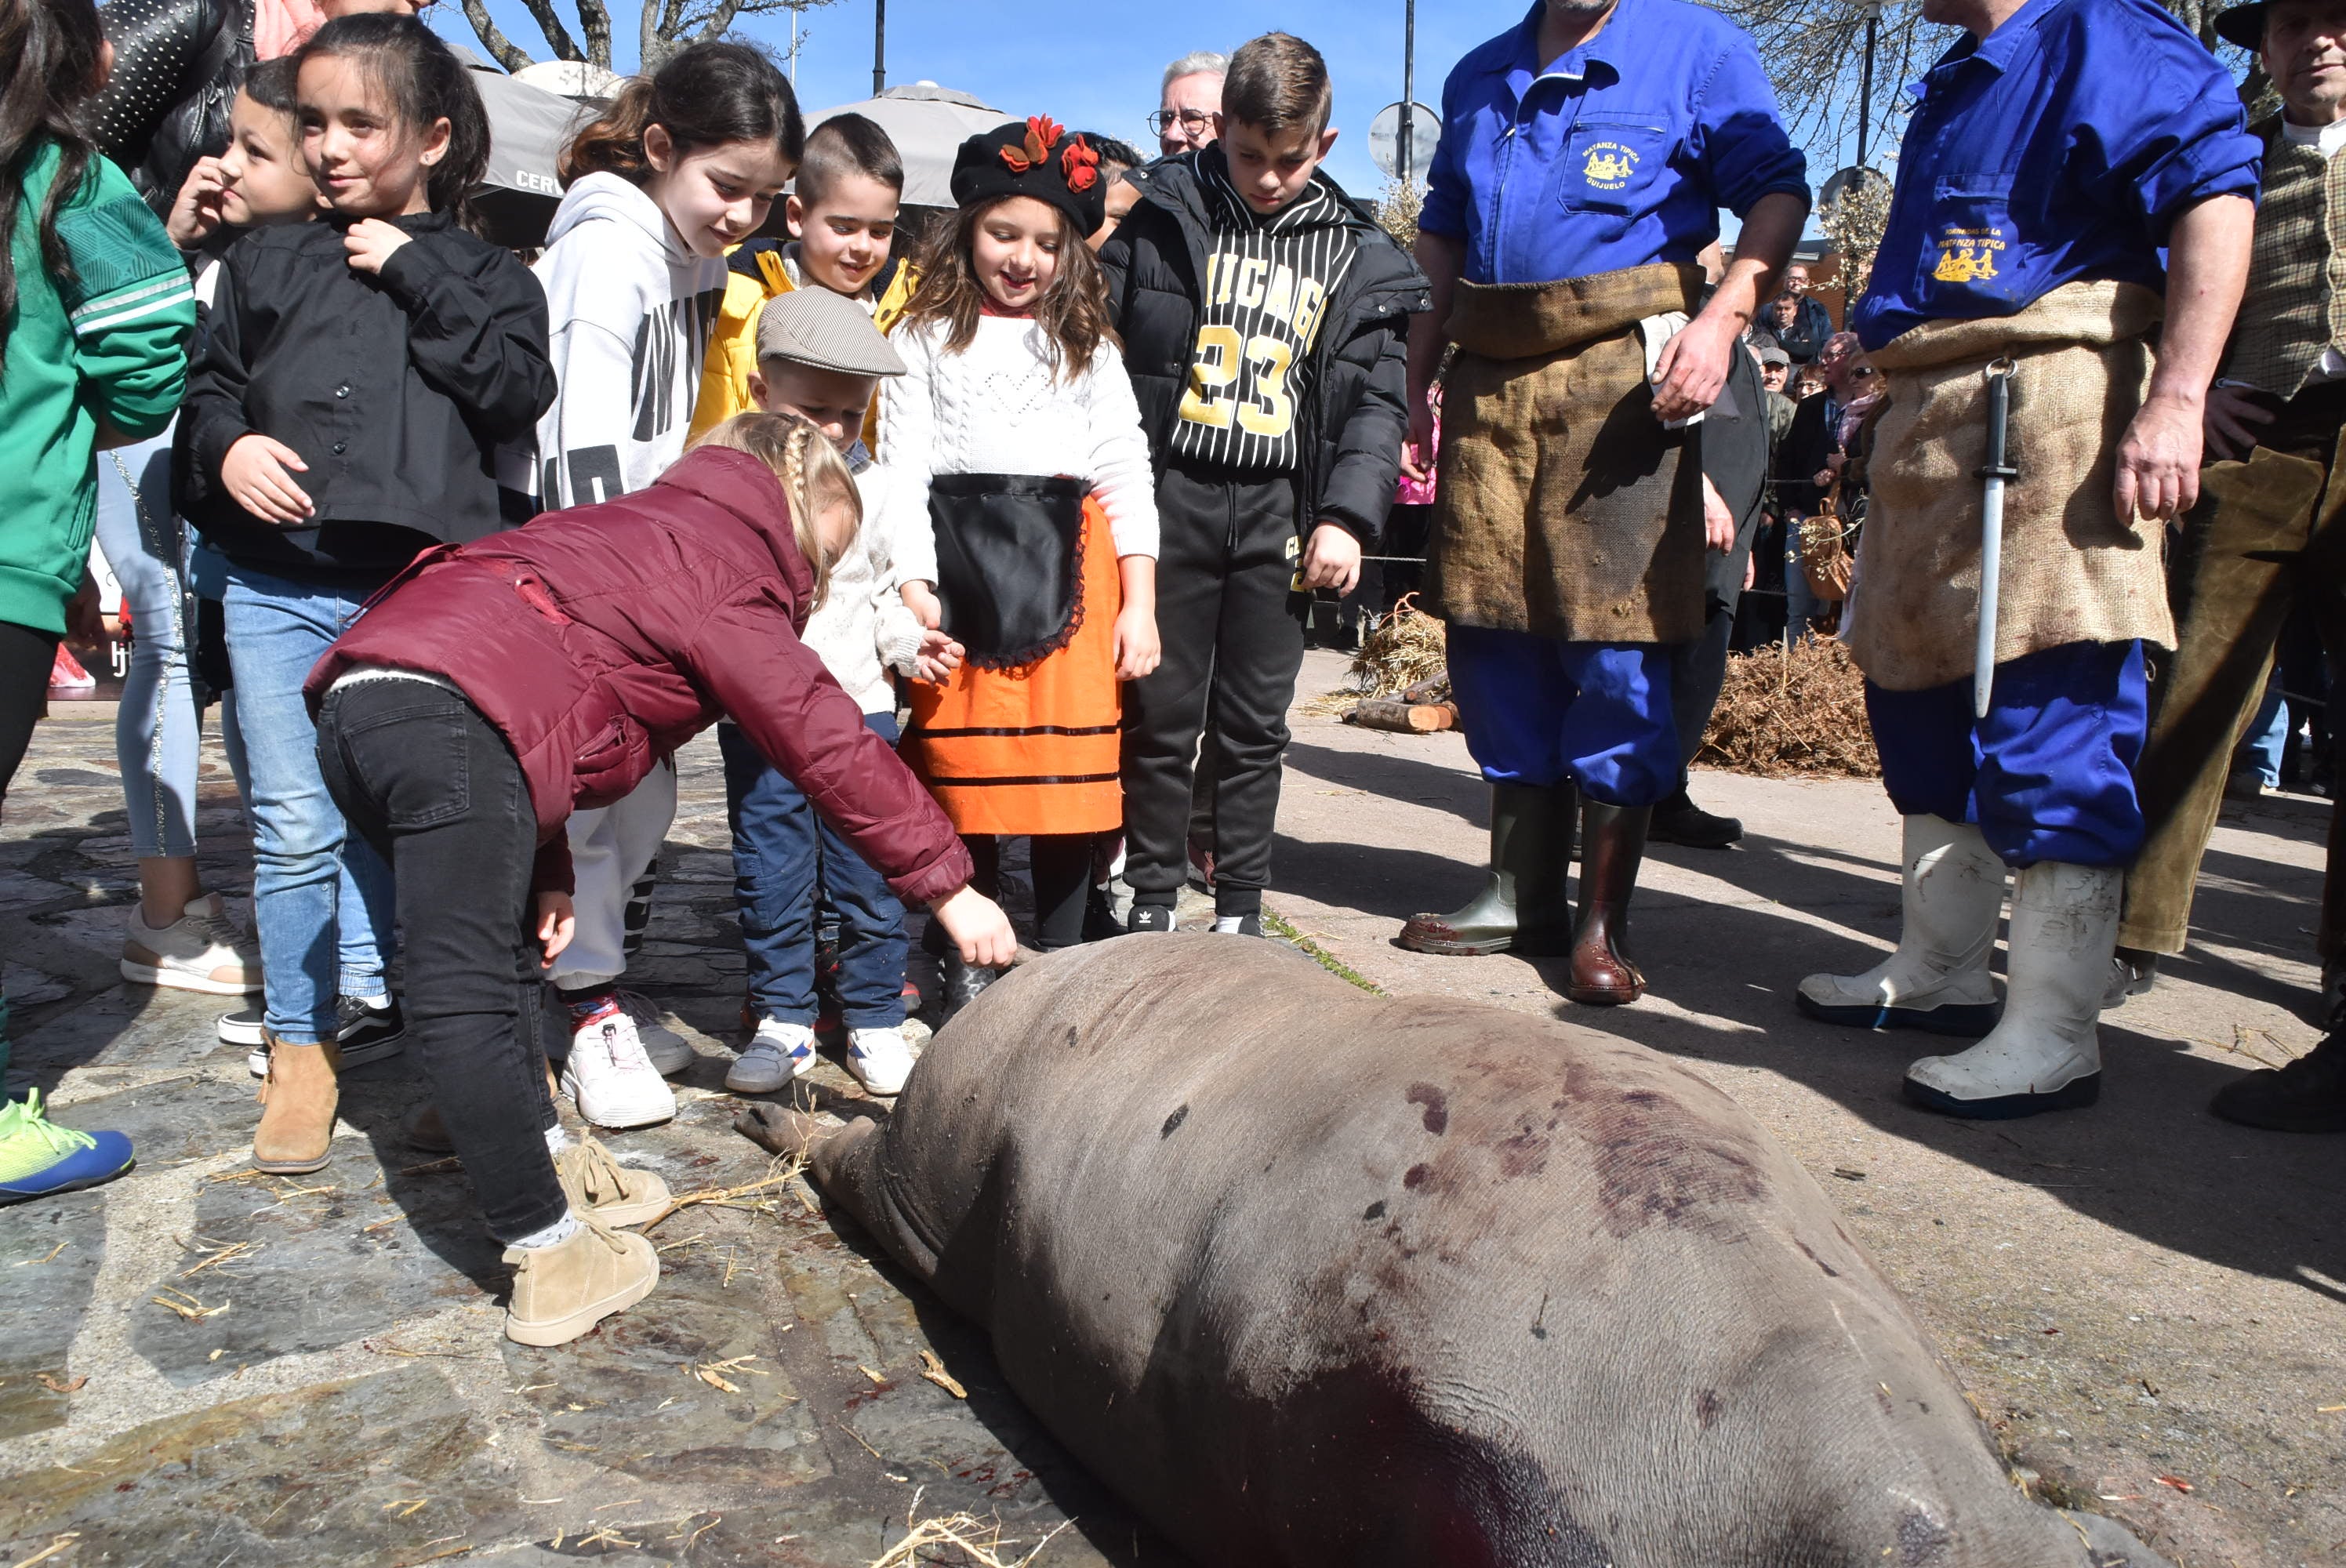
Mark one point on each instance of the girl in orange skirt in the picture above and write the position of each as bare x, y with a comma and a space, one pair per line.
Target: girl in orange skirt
1015, 421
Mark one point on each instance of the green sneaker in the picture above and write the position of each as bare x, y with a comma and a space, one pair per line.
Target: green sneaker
39, 1158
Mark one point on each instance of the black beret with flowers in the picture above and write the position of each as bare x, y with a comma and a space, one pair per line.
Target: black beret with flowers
1037, 159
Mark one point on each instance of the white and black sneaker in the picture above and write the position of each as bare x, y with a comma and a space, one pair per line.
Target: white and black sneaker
1247, 924
366, 1032
1150, 917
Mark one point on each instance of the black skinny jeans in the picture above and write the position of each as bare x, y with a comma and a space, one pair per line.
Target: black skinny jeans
439, 793
25, 656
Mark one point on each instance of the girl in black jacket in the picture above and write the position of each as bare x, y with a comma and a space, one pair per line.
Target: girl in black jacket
341, 419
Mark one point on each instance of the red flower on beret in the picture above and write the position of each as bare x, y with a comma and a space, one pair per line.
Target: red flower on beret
1043, 134
1080, 164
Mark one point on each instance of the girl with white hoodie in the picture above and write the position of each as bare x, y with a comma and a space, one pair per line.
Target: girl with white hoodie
683, 166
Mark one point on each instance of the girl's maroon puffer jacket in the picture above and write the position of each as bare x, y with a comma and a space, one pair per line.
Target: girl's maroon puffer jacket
600, 639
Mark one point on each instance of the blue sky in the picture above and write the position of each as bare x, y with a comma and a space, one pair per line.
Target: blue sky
1033, 59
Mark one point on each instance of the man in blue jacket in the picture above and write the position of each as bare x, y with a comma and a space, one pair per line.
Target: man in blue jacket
2073, 171
1585, 153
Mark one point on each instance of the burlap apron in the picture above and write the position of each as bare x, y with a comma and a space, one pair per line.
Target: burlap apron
1563, 508
2073, 571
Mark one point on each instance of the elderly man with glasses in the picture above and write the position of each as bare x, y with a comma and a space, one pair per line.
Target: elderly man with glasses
1184, 120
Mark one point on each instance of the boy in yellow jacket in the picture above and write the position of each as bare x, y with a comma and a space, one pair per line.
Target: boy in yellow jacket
843, 216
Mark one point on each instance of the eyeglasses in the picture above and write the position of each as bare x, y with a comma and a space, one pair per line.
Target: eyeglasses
1861, 373
1191, 120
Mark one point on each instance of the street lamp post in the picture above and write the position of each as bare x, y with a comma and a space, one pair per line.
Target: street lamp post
1409, 97
879, 47
1865, 78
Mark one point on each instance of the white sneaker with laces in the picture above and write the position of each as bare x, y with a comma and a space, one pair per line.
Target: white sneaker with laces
609, 1076
669, 1052
777, 1054
880, 1059
201, 950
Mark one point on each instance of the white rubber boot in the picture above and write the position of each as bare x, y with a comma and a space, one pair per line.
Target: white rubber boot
1938, 979
2046, 1054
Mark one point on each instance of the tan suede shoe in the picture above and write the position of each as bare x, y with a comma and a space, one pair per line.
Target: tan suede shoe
299, 1099
561, 1291
597, 1184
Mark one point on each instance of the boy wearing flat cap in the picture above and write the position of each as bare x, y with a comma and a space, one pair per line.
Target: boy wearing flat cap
820, 356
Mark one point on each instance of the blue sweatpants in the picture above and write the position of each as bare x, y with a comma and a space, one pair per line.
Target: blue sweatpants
2048, 775
1539, 711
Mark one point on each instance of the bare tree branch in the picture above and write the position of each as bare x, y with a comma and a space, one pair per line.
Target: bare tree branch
595, 21
557, 35
500, 47
664, 27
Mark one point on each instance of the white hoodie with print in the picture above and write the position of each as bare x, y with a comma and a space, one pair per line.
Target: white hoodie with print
631, 308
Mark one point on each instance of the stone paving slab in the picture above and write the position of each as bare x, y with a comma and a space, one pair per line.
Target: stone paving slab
2130, 1293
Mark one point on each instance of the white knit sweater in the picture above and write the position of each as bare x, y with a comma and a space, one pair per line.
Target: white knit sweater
861, 630
999, 408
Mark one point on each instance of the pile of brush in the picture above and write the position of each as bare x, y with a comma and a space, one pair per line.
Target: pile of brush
1802, 714
1402, 675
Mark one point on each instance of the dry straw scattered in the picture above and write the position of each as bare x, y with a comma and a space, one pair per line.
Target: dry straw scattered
975, 1542
1801, 715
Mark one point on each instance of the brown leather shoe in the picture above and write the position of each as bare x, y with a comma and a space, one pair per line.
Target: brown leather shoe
1613, 845
299, 1099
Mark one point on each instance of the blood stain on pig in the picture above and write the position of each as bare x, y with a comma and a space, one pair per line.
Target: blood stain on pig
1416, 1176
1375, 1210
1173, 1123
1707, 1406
1830, 1272
1436, 1104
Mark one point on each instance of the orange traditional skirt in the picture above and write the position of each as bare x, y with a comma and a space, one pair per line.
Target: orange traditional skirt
1035, 749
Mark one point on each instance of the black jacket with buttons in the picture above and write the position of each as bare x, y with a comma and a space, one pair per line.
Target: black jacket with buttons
395, 388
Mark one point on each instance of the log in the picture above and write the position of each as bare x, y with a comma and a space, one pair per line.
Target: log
1403, 718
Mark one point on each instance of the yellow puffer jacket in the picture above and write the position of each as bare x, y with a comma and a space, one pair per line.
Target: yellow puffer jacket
755, 274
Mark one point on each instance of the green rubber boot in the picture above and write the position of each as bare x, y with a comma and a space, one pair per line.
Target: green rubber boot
1523, 908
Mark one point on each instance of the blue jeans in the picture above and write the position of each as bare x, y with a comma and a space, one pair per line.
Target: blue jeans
1539, 711
159, 734
2048, 775
784, 856
320, 897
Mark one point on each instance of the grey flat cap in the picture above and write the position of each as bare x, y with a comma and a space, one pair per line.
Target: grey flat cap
1772, 355
827, 331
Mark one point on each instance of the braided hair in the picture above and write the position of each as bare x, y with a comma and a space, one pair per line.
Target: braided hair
815, 478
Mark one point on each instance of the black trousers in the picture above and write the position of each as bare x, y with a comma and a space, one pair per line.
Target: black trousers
1233, 628
440, 795
1061, 866
1701, 665
25, 656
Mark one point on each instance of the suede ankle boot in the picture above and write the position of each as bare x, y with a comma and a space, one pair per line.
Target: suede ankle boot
1613, 846
299, 1099
560, 1292
1523, 908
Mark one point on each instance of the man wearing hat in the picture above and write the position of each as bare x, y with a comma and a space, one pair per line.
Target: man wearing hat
2073, 171
1584, 156
2269, 536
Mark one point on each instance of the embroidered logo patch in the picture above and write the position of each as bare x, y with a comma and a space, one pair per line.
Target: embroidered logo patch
1610, 166
1967, 255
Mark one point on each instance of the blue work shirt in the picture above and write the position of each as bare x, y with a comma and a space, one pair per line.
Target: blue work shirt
1619, 154
2060, 148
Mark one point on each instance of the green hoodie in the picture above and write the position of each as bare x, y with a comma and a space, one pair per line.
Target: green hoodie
107, 350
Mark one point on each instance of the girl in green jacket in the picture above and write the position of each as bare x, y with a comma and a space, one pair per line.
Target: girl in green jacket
95, 312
